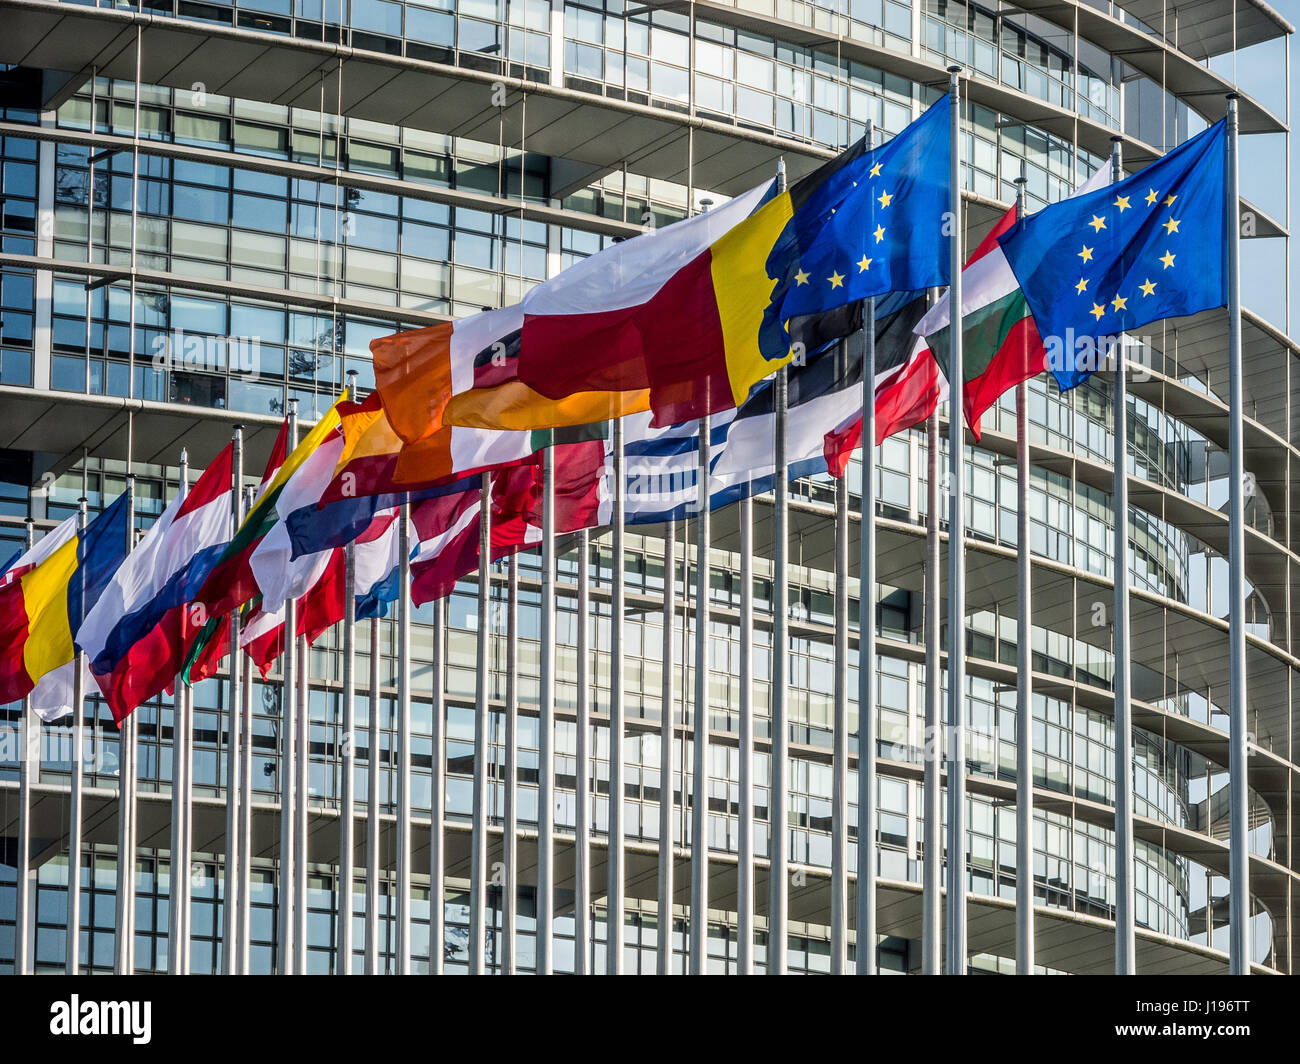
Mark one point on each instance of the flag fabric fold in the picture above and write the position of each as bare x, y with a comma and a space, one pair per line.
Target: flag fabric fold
137, 633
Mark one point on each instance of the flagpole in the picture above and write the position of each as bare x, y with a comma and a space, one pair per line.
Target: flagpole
868, 811
779, 792
478, 837
438, 792
76, 794
699, 942
1238, 753
231, 899
245, 792
347, 799
546, 728
839, 738
182, 798
374, 774
124, 937
932, 784
745, 885
1125, 946
616, 864
347, 742
404, 739
868, 814
23, 897
285, 951
510, 834
956, 568
667, 733
302, 729
582, 825
182, 872
1024, 680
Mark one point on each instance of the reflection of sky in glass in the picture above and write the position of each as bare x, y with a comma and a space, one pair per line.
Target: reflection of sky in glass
1260, 72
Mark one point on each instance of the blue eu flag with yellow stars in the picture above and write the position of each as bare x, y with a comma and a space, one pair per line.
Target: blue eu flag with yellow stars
870, 223
1149, 247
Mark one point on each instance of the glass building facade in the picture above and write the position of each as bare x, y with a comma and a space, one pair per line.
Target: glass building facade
210, 208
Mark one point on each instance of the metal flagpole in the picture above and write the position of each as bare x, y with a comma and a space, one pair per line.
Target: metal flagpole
438, 798
72, 955
302, 741
285, 921
956, 569
1125, 944
932, 785
745, 884
23, 898
245, 795
404, 738
478, 838
699, 943
868, 813
182, 798
347, 764
510, 834
840, 738
667, 734
347, 742
617, 855
582, 825
374, 775
546, 728
779, 792
1238, 803
231, 900
1024, 681
124, 944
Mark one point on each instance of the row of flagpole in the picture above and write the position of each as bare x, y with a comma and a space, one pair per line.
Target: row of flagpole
294, 726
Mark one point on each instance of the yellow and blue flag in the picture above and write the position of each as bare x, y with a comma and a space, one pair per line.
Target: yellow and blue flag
1149, 247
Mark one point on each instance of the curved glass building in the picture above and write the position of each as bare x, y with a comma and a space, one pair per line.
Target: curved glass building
211, 207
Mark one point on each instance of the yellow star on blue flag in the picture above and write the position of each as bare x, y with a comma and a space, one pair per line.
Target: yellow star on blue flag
1170, 220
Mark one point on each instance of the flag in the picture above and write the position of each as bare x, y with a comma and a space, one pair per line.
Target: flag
376, 565
661, 465
447, 530
319, 608
866, 223
136, 635
1001, 345
375, 571
215, 643
375, 460
231, 583
878, 224
280, 576
44, 597
1149, 247
466, 373
908, 383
